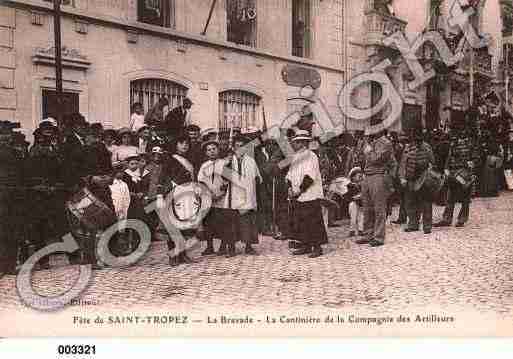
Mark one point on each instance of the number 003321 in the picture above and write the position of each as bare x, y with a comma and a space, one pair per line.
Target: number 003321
76, 349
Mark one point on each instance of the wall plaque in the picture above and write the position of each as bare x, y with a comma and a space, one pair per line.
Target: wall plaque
301, 76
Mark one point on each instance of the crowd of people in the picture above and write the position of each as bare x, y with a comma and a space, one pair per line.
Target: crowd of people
357, 175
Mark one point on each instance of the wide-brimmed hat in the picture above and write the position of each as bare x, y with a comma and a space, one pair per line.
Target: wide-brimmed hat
354, 171
207, 132
241, 138
157, 149
110, 132
123, 131
143, 128
301, 135
49, 121
131, 158
210, 142
251, 130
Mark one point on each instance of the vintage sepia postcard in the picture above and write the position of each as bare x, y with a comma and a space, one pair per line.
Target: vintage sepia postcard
228, 168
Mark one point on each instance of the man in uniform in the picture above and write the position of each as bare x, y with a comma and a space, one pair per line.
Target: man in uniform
43, 175
10, 180
417, 158
379, 164
459, 165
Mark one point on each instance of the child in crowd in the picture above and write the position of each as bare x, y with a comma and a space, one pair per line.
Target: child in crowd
355, 205
209, 175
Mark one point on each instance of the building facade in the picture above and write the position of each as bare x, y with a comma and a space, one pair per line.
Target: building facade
117, 52
443, 98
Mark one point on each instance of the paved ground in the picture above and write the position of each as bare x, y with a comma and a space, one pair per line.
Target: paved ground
469, 267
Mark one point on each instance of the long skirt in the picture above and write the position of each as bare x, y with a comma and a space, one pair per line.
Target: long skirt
222, 223
309, 227
489, 182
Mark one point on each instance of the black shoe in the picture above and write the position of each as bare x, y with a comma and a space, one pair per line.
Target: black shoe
427, 231
411, 230
460, 224
208, 252
363, 241
174, 261
442, 224
317, 252
333, 225
300, 252
295, 245
230, 254
351, 234
375, 243
398, 222
221, 251
250, 251
186, 259
360, 233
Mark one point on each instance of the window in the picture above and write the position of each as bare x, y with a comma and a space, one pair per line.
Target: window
241, 21
411, 116
148, 91
156, 12
70, 103
238, 109
301, 32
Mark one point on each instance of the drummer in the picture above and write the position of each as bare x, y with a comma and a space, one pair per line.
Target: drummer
459, 159
355, 205
181, 171
97, 177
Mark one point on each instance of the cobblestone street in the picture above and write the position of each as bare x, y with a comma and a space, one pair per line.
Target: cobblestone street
470, 267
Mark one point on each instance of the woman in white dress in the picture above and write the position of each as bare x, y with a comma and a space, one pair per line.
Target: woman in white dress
125, 149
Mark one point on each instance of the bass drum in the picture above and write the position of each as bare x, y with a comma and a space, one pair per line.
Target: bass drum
188, 204
339, 186
89, 212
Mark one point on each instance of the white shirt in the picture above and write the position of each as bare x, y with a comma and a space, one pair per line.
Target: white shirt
120, 198
122, 152
136, 122
243, 184
142, 146
210, 175
305, 163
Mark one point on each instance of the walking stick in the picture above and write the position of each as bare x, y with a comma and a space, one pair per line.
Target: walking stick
273, 225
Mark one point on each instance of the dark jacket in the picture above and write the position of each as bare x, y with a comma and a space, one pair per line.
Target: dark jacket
174, 122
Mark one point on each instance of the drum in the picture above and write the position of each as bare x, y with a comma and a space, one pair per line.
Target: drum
434, 181
89, 211
339, 186
464, 177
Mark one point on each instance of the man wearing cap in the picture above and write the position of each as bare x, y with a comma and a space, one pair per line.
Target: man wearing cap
44, 177
379, 164
459, 162
94, 172
175, 121
10, 178
306, 191
418, 157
